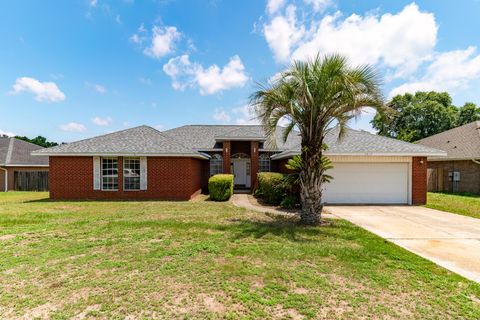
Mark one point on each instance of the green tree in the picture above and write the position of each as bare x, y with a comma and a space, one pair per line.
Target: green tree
468, 113
414, 117
313, 96
39, 140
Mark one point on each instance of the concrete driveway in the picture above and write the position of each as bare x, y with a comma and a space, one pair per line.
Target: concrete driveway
449, 240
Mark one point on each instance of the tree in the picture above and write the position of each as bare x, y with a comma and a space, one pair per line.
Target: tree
468, 113
39, 140
414, 117
313, 96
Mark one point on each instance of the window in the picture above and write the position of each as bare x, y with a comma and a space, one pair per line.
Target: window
131, 174
109, 174
264, 163
216, 164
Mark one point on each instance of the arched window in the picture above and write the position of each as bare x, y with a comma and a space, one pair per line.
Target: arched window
240, 156
264, 162
216, 164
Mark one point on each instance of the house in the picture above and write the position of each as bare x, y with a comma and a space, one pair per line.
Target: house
19, 170
459, 170
176, 164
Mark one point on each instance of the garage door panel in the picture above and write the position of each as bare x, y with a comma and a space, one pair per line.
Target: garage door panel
368, 183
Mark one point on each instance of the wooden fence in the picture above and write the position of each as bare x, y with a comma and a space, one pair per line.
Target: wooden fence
31, 180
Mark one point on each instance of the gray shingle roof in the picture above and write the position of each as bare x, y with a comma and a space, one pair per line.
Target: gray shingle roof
203, 137
191, 140
460, 143
16, 152
142, 140
356, 142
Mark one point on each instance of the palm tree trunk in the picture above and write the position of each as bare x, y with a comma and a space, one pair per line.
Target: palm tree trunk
311, 193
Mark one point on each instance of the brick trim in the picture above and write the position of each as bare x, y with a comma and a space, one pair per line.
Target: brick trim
419, 180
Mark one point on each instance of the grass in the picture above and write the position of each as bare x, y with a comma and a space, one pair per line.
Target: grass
208, 260
464, 204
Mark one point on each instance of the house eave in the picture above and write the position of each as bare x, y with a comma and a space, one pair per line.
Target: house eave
121, 154
290, 154
221, 139
25, 165
436, 159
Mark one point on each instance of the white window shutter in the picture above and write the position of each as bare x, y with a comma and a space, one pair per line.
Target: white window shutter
96, 173
143, 173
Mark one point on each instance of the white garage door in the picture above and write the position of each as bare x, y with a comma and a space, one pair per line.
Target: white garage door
368, 183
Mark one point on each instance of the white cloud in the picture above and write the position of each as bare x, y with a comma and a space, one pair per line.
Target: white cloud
399, 41
93, 3
450, 71
221, 115
163, 41
7, 133
99, 121
145, 81
245, 115
159, 127
43, 91
97, 87
135, 38
282, 33
319, 5
211, 80
73, 127
274, 5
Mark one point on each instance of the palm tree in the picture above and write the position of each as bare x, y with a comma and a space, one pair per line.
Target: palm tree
313, 96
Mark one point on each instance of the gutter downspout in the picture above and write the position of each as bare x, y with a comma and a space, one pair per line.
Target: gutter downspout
6, 178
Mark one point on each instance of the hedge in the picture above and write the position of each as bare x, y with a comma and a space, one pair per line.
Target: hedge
220, 187
271, 187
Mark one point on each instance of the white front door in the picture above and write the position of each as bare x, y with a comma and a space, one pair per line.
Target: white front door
240, 172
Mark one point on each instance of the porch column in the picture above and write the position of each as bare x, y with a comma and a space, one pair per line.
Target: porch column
253, 163
226, 156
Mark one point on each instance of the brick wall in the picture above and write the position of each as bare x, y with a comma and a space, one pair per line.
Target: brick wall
226, 156
253, 163
419, 180
168, 179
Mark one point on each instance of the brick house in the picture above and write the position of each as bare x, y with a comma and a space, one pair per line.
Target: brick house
143, 163
19, 170
459, 170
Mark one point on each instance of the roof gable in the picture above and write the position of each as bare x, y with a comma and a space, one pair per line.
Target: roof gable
460, 143
15, 152
142, 140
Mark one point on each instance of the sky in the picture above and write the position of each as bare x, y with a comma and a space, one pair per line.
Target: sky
75, 69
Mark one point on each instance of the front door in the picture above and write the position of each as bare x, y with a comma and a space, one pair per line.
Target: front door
240, 172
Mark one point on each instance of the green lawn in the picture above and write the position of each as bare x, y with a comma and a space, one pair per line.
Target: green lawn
208, 260
467, 205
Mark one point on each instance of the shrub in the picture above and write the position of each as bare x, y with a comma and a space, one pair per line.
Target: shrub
271, 187
291, 201
220, 187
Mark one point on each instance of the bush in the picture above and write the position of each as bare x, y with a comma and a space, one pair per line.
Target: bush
291, 201
220, 187
271, 187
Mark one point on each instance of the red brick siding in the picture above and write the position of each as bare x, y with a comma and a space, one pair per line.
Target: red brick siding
226, 156
168, 179
253, 163
419, 180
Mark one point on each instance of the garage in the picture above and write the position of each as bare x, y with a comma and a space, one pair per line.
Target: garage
368, 183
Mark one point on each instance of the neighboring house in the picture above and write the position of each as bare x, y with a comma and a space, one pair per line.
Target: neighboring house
459, 170
143, 163
19, 170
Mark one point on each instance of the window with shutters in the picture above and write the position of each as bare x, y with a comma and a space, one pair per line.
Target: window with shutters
264, 163
131, 174
110, 174
216, 164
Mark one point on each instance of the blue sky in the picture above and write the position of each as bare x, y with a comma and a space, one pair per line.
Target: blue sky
75, 69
